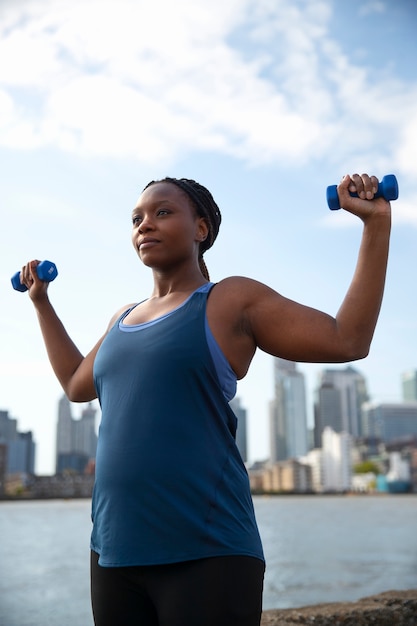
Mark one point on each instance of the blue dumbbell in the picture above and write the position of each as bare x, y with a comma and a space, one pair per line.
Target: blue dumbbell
46, 271
387, 188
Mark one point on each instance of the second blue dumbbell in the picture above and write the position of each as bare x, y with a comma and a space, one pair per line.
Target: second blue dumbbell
46, 271
387, 188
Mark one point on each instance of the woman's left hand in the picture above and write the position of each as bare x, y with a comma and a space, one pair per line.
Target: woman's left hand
365, 204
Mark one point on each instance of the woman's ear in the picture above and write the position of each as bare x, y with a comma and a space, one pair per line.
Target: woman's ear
202, 229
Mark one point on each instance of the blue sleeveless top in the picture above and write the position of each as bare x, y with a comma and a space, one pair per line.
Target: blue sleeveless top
170, 482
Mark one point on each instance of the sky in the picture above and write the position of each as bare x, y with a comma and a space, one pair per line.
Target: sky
265, 102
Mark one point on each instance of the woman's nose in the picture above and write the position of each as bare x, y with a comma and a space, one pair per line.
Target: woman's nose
146, 224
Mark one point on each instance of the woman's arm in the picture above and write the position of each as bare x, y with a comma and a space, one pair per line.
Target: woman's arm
284, 328
73, 370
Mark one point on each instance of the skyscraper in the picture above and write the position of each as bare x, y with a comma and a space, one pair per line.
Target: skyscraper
327, 411
64, 427
339, 399
19, 447
409, 386
76, 439
241, 433
288, 414
391, 422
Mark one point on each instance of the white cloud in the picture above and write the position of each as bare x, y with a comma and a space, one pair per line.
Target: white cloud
372, 7
406, 148
405, 210
152, 80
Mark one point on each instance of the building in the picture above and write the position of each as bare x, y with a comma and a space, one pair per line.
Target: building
391, 422
241, 433
409, 386
327, 411
288, 414
289, 476
64, 439
76, 440
21, 454
339, 398
336, 457
3, 463
314, 458
20, 447
413, 469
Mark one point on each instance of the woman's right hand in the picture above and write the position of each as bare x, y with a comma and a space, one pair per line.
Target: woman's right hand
37, 288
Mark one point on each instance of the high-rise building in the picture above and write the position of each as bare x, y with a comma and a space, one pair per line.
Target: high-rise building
391, 422
64, 443
241, 433
76, 438
20, 447
409, 386
3, 467
21, 454
85, 437
8, 427
288, 414
339, 399
327, 411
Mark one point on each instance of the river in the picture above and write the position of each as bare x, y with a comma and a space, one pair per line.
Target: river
317, 548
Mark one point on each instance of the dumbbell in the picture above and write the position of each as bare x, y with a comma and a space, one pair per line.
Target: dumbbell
46, 271
387, 188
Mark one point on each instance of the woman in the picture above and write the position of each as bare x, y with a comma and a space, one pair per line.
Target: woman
174, 540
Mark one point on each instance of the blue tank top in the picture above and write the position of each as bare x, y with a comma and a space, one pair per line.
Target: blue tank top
170, 482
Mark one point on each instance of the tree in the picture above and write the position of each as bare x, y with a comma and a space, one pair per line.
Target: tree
366, 467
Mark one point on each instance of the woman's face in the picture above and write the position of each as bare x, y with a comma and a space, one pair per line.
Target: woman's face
166, 228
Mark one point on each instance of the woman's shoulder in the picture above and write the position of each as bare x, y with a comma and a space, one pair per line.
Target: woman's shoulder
237, 295
241, 287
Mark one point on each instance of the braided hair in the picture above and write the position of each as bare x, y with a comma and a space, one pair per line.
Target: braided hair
205, 206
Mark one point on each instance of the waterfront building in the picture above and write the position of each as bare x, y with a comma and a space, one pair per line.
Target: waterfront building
314, 458
364, 483
3, 461
338, 404
409, 386
288, 414
390, 422
337, 464
413, 469
290, 476
241, 433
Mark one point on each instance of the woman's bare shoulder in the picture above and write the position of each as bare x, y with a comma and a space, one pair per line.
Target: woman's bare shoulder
242, 288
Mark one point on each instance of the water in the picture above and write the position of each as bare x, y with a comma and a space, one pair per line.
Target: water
318, 549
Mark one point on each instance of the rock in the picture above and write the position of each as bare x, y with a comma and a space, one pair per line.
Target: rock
392, 608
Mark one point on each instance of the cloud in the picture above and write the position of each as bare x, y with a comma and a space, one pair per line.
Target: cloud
263, 82
406, 149
372, 7
405, 211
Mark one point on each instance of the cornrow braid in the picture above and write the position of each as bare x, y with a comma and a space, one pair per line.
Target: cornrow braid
205, 206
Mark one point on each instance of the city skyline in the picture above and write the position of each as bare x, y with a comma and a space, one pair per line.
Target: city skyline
265, 103
64, 406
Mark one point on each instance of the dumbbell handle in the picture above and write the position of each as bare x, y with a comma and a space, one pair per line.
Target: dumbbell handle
46, 271
387, 188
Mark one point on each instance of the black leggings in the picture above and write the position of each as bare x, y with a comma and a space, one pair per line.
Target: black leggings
220, 591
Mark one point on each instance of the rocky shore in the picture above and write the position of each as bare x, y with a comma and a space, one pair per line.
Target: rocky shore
392, 608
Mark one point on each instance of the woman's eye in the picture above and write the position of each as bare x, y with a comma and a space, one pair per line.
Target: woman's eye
136, 219
163, 212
